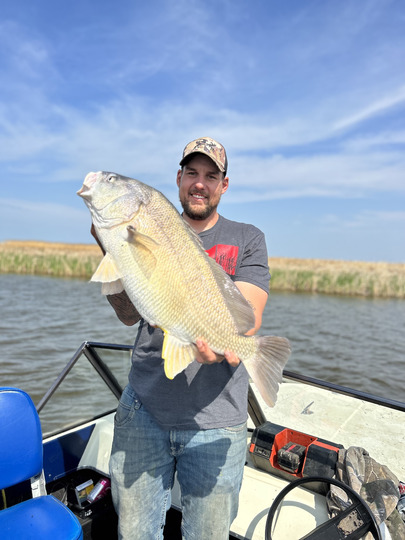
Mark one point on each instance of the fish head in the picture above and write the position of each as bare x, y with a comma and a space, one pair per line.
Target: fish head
113, 199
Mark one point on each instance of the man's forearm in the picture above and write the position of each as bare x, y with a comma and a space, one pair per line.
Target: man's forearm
124, 308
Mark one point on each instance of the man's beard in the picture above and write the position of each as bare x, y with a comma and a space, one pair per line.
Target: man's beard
200, 213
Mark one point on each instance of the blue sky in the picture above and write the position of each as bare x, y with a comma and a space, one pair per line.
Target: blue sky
307, 96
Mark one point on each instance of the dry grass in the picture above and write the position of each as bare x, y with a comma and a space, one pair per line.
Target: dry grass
338, 277
300, 275
46, 258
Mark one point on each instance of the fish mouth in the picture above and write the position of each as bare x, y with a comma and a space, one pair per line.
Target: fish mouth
88, 183
82, 191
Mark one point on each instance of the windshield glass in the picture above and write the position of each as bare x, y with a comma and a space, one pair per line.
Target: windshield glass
84, 392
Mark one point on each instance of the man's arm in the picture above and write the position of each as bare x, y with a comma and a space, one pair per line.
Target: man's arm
124, 308
122, 305
257, 298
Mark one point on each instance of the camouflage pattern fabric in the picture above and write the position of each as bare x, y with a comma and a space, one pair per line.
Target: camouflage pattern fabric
377, 486
211, 148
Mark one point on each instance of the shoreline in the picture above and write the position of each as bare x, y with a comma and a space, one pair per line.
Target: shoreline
353, 278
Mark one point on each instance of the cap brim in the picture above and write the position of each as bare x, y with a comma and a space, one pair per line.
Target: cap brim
189, 156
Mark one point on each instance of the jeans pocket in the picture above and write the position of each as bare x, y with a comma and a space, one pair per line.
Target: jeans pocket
128, 405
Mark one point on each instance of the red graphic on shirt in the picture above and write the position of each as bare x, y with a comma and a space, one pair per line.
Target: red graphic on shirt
226, 256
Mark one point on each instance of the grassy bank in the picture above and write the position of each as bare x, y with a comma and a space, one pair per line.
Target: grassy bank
338, 277
50, 259
299, 275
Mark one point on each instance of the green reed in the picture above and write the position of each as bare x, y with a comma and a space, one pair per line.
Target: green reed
57, 265
343, 283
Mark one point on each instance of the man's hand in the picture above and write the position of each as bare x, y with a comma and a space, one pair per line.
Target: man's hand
208, 356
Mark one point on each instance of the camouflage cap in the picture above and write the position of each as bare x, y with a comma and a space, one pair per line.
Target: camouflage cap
209, 147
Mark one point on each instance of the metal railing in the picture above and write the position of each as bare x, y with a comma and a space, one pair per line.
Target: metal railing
88, 349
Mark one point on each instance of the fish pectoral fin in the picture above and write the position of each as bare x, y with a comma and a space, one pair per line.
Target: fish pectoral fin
108, 274
113, 287
144, 247
177, 355
107, 271
136, 237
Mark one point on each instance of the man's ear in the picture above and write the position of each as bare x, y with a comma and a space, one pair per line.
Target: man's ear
225, 184
178, 178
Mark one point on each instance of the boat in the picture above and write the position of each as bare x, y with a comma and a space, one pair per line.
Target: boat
292, 451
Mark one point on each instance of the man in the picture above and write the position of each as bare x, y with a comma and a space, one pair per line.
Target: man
195, 424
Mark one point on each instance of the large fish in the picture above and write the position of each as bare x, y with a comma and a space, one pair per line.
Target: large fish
154, 255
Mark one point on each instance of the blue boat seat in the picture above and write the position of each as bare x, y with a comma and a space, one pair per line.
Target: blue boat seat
43, 516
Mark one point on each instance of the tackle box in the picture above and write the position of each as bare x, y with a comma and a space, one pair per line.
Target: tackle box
292, 454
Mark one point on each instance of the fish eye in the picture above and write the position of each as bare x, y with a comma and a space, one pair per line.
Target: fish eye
111, 178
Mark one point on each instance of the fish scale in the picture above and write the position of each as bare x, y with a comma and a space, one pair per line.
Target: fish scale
154, 255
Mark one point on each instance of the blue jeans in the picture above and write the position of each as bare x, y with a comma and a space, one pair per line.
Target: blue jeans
144, 459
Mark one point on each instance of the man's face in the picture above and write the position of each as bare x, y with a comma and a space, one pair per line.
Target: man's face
201, 185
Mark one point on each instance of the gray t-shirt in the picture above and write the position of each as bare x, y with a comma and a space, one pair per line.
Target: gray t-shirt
202, 396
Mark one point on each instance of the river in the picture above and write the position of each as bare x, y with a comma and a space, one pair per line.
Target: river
356, 342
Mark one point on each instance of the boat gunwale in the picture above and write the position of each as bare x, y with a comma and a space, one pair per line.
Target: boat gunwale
345, 390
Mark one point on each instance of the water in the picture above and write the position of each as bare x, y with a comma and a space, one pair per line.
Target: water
354, 342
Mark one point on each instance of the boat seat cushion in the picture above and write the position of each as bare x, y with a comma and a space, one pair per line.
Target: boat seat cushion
42, 517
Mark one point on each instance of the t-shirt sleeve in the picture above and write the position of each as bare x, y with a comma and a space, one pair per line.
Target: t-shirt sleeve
254, 266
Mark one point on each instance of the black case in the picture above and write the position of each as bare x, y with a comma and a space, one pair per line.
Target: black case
291, 454
291, 457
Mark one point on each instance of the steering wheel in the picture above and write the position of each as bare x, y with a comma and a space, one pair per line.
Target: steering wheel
364, 520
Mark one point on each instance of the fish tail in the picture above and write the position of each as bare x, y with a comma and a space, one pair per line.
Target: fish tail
266, 367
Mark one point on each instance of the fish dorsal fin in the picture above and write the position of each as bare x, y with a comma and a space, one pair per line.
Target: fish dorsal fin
237, 304
144, 247
194, 236
177, 355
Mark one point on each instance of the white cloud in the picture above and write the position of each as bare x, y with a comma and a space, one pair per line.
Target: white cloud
340, 173
137, 141
375, 108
